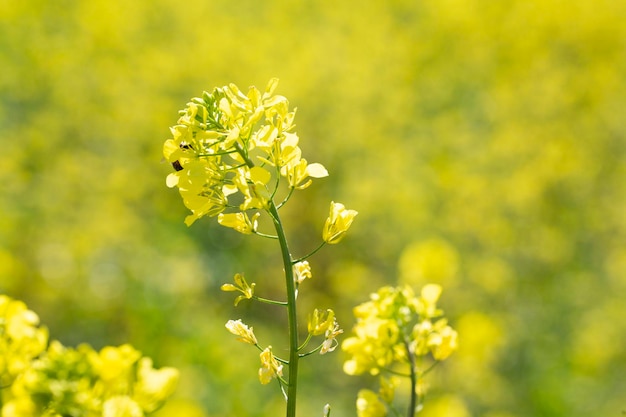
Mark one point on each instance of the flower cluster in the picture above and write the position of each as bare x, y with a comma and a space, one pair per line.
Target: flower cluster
60, 381
21, 338
231, 149
395, 331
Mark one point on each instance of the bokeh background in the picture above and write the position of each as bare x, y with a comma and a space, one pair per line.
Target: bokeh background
483, 143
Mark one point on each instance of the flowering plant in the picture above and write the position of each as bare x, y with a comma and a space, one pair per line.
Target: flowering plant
397, 334
236, 157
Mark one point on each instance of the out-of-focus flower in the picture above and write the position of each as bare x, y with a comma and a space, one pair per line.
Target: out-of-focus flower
114, 366
428, 300
21, 338
369, 405
61, 381
337, 223
270, 367
443, 342
153, 386
387, 388
245, 333
375, 346
393, 328
121, 406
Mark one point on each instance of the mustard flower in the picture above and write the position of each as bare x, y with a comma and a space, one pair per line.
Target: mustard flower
320, 321
270, 367
375, 346
443, 342
153, 386
368, 404
388, 388
245, 333
420, 337
298, 173
252, 184
428, 300
121, 406
394, 324
241, 285
114, 382
21, 338
330, 342
58, 382
114, 365
220, 145
302, 271
239, 221
338, 223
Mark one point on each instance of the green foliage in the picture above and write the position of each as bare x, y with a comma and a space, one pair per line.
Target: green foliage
481, 142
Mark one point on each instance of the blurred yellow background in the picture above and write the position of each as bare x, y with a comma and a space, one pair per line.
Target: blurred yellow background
482, 142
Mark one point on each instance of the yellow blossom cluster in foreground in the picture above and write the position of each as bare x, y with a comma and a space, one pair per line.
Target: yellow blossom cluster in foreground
53, 380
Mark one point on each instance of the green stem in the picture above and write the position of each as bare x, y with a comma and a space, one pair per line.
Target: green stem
267, 301
265, 235
291, 314
413, 403
292, 318
295, 261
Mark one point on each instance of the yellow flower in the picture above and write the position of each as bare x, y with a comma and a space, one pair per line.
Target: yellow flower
298, 172
330, 343
421, 333
302, 271
242, 286
338, 223
270, 368
387, 388
369, 405
320, 321
21, 338
216, 144
252, 184
153, 386
239, 221
245, 333
121, 406
443, 343
20, 407
428, 301
114, 364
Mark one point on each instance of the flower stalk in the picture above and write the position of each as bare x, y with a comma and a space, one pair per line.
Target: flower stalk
292, 316
235, 156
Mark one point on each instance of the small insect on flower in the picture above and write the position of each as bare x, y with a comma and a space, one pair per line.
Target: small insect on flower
177, 166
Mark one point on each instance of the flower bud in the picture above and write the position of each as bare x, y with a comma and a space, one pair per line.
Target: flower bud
338, 223
245, 333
